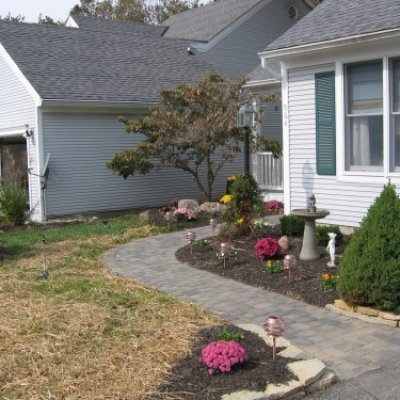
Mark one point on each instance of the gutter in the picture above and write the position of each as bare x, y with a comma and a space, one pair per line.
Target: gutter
265, 82
97, 104
329, 44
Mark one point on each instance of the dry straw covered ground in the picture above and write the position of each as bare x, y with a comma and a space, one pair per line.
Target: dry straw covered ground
85, 333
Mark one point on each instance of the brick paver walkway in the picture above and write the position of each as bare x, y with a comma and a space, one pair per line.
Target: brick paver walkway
349, 346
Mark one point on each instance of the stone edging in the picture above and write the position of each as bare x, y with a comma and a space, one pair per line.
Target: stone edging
312, 374
366, 314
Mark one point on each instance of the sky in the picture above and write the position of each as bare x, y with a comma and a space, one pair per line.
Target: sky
30, 9
56, 9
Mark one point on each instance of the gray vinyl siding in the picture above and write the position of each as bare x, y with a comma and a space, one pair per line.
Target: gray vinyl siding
271, 121
236, 54
347, 202
81, 144
17, 108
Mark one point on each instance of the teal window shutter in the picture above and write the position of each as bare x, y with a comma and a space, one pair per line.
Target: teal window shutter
325, 123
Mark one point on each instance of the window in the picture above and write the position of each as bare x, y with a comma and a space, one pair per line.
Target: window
364, 117
395, 115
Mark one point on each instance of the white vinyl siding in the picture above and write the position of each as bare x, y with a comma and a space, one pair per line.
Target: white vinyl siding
347, 202
80, 146
17, 109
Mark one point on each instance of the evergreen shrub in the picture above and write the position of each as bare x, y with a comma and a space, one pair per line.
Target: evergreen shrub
292, 225
369, 271
322, 234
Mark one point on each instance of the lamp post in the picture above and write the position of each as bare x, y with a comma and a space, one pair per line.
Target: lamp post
245, 121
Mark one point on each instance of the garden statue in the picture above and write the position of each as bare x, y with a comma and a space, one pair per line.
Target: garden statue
331, 249
311, 204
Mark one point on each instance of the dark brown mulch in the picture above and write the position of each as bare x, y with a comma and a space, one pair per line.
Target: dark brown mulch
189, 379
245, 267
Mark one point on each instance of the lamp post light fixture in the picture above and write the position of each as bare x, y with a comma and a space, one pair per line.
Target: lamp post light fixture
224, 251
213, 224
191, 237
168, 216
246, 120
274, 326
289, 262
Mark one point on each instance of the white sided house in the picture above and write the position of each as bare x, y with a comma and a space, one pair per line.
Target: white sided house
341, 106
61, 92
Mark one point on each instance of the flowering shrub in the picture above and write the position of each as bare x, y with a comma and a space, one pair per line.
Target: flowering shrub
274, 205
184, 214
273, 268
223, 355
233, 177
329, 281
267, 247
174, 202
226, 199
259, 223
239, 221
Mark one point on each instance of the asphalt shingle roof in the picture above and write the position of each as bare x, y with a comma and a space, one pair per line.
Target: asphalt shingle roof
205, 22
334, 19
272, 71
107, 25
71, 64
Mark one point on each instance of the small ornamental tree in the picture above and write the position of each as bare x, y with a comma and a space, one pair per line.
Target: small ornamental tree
192, 129
369, 271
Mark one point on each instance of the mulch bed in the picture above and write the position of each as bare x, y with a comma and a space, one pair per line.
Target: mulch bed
245, 267
189, 379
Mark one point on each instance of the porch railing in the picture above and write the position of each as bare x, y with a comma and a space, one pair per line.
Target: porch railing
268, 170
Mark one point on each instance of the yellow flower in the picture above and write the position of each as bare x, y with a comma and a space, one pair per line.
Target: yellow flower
239, 221
226, 199
268, 264
233, 177
326, 277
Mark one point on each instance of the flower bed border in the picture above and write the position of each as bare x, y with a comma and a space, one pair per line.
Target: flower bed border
366, 314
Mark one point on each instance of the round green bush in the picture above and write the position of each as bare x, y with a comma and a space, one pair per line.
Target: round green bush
292, 225
322, 234
369, 271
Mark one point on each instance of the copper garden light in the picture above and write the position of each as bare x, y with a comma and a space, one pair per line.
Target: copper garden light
224, 251
289, 262
168, 216
213, 224
274, 326
191, 237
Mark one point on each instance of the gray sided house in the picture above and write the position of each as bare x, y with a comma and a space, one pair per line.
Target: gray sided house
230, 33
341, 96
61, 92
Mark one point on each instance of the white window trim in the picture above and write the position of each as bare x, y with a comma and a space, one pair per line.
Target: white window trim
380, 177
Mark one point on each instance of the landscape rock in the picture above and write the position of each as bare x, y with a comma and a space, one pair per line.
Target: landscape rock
284, 390
284, 243
210, 207
308, 371
328, 379
389, 316
343, 305
188, 203
245, 395
145, 216
293, 352
367, 311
